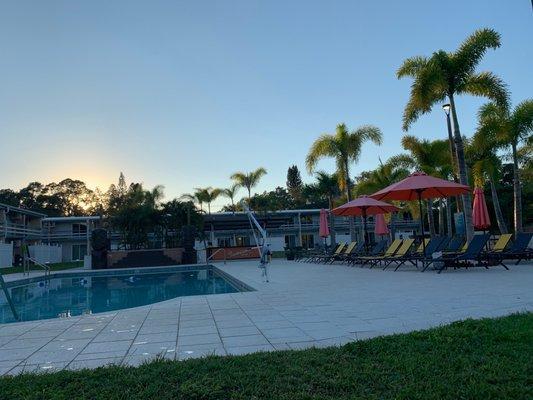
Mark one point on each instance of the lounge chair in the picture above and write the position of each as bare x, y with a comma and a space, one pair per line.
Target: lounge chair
347, 251
519, 250
454, 245
320, 256
401, 254
356, 250
471, 257
432, 245
378, 249
373, 260
326, 257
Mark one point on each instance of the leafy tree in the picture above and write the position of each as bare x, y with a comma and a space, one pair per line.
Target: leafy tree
9, 197
445, 75
294, 183
509, 128
345, 147
248, 180
277, 199
138, 215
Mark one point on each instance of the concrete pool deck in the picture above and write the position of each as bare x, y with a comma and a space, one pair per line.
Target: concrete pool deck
304, 305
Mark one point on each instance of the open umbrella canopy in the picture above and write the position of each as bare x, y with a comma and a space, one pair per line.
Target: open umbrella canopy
480, 214
420, 186
323, 229
364, 205
380, 225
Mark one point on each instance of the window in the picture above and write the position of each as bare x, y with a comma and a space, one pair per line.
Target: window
242, 241
308, 241
306, 219
78, 251
224, 242
79, 229
290, 241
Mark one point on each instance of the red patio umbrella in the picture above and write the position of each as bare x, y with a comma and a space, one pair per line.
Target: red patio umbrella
323, 227
418, 186
364, 206
480, 214
380, 225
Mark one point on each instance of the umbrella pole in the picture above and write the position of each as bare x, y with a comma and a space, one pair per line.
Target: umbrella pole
364, 227
421, 222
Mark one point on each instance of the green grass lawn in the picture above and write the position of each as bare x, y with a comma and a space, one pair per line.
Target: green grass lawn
474, 359
53, 267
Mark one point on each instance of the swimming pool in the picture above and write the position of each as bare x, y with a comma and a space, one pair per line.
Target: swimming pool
71, 294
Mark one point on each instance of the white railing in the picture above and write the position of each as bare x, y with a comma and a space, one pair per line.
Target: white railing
12, 229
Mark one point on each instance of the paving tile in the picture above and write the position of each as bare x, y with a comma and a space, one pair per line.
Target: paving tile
282, 332
115, 336
156, 337
107, 346
152, 348
197, 330
104, 354
240, 341
198, 339
239, 331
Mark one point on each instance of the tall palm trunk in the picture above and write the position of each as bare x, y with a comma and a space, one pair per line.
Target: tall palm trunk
332, 222
517, 193
351, 220
497, 209
249, 196
431, 218
449, 216
463, 173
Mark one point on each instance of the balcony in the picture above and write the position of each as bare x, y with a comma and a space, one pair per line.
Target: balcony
12, 230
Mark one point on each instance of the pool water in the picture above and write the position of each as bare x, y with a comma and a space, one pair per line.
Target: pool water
82, 294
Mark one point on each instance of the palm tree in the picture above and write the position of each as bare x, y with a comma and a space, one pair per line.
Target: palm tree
509, 128
197, 197
248, 180
445, 75
345, 147
230, 193
208, 195
430, 157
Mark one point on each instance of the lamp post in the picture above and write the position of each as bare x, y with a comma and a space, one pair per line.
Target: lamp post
446, 108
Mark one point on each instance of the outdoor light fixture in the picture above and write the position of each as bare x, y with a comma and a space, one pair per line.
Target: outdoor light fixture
446, 108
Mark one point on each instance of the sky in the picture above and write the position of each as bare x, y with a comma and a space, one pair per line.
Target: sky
184, 93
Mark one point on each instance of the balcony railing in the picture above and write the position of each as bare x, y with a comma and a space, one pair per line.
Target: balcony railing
12, 230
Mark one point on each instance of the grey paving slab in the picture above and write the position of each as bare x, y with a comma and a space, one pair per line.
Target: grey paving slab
199, 339
107, 346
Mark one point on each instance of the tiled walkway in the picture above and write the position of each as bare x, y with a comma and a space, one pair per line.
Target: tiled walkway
303, 305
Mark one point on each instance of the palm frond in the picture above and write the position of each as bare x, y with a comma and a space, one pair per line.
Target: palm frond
488, 85
324, 146
428, 88
522, 119
472, 50
411, 66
